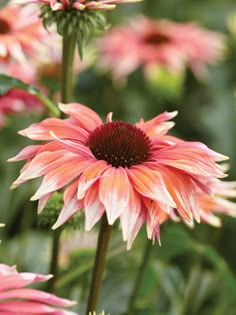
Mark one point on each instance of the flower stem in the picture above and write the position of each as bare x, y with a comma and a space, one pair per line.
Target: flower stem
139, 277
68, 52
54, 259
99, 263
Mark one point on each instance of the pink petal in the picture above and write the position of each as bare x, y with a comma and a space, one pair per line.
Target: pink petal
44, 163
73, 146
26, 153
138, 224
20, 280
43, 201
114, 192
28, 307
61, 128
157, 125
71, 204
86, 117
35, 295
130, 215
93, 208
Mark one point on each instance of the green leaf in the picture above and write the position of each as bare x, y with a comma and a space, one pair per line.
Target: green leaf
7, 83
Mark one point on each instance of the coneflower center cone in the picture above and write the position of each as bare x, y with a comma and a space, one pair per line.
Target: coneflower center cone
4, 26
120, 144
156, 38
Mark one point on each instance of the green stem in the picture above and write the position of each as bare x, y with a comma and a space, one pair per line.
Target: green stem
54, 259
99, 263
68, 51
139, 277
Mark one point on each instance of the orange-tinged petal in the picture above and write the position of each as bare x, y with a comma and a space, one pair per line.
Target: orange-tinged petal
150, 184
183, 191
90, 175
114, 192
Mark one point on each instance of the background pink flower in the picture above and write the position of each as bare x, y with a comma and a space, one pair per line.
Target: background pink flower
146, 43
16, 299
21, 33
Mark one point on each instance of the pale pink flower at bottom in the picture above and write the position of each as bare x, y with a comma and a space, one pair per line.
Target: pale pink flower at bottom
133, 172
18, 300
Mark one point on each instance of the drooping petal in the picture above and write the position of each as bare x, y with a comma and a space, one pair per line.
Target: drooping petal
71, 204
131, 214
114, 192
90, 175
150, 184
93, 207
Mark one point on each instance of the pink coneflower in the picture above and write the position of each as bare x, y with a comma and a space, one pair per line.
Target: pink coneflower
146, 43
132, 172
16, 299
21, 33
78, 4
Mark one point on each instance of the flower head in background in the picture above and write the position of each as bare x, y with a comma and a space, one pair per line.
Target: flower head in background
132, 172
21, 33
16, 299
150, 43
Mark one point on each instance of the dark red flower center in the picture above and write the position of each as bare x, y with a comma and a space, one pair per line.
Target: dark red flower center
156, 38
4, 26
120, 144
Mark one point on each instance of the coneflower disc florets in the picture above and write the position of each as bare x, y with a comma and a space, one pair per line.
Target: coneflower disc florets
120, 144
4, 26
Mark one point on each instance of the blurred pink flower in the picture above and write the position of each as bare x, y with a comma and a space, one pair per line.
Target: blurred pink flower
146, 43
16, 299
78, 4
21, 33
17, 101
132, 172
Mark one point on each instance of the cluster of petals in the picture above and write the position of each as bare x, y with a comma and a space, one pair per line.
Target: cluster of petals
219, 203
146, 43
80, 5
16, 299
22, 34
168, 176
